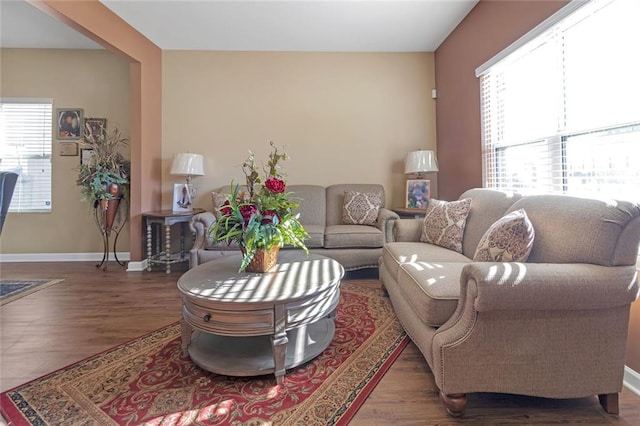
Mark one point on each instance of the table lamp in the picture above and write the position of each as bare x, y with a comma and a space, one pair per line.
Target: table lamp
419, 162
187, 164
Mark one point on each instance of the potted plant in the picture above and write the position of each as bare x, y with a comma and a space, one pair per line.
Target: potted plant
263, 219
104, 178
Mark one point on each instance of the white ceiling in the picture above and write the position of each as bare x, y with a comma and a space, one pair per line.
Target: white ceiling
264, 25
24, 26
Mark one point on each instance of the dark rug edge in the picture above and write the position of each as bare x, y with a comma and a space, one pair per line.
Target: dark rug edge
17, 295
370, 386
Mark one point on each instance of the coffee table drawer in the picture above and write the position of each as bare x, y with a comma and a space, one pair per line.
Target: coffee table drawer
230, 323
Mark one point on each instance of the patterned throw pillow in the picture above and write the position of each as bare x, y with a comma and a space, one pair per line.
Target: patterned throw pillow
218, 199
444, 223
509, 239
361, 208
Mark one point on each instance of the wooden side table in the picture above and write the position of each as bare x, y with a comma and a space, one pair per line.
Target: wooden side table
410, 213
166, 218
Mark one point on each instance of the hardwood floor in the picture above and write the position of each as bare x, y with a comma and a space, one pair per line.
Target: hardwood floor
91, 311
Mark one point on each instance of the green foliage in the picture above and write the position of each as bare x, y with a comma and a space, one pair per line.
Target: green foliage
269, 219
107, 165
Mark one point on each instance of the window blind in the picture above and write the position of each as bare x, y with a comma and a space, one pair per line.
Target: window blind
25, 147
561, 114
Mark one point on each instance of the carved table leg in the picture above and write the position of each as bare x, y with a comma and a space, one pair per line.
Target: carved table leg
186, 331
149, 252
454, 403
279, 342
609, 402
167, 242
183, 231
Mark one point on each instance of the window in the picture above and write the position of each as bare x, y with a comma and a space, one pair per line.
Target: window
25, 147
561, 112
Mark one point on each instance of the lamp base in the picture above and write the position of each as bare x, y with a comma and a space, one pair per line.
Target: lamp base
191, 189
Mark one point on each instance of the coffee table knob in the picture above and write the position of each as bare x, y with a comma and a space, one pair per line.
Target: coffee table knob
207, 318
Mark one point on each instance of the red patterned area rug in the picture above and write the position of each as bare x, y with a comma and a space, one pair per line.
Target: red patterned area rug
148, 380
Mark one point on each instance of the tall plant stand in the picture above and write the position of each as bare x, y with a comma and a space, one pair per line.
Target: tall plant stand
111, 217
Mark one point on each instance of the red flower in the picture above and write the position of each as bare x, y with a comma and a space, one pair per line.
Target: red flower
226, 209
269, 216
248, 210
275, 185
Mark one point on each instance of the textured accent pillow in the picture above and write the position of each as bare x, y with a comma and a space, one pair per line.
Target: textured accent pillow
361, 208
509, 239
444, 223
218, 199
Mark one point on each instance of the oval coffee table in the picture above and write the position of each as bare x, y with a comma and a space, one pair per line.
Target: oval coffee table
248, 324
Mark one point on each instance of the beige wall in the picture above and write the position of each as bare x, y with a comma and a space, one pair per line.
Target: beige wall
343, 117
100, 24
98, 82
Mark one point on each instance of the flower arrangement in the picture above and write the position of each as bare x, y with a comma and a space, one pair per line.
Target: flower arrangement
263, 218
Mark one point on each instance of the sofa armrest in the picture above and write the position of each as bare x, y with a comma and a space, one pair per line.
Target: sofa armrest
198, 225
386, 218
545, 286
407, 230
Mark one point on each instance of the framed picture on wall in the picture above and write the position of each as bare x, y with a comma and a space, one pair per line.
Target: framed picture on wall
418, 193
181, 198
95, 129
69, 122
68, 149
85, 156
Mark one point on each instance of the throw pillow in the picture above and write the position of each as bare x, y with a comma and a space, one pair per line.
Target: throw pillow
444, 223
361, 208
509, 239
218, 199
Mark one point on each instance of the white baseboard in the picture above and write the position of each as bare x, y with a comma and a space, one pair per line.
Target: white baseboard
632, 380
59, 257
137, 266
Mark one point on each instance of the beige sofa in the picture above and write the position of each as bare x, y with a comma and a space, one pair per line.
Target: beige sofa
553, 327
354, 246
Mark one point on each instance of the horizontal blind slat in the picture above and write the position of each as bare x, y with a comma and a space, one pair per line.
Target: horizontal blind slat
25, 147
547, 124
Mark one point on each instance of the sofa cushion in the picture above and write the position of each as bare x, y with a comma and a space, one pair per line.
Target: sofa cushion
218, 199
509, 239
581, 230
487, 206
350, 236
316, 236
335, 198
361, 208
432, 289
444, 223
312, 208
396, 254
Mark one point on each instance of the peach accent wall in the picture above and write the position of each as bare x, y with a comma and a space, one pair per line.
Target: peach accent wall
98, 82
343, 117
486, 30
94, 20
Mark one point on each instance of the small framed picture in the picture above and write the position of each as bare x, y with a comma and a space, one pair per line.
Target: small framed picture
85, 156
68, 149
418, 193
95, 129
181, 198
69, 123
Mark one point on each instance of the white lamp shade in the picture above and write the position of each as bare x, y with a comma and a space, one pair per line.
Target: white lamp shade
187, 164
420, 162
